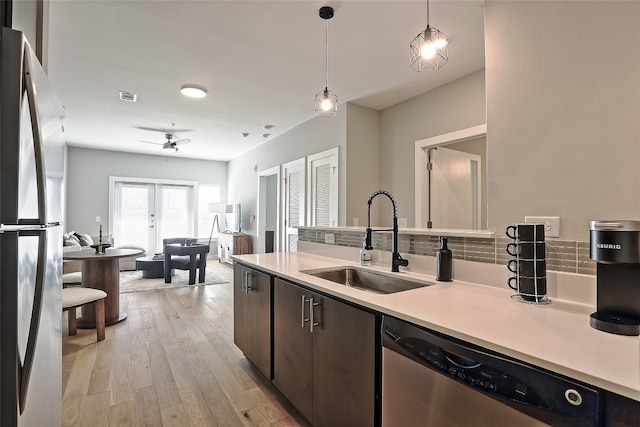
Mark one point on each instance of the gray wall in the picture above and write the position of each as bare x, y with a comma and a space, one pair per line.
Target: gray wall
458, 105
376, 149
563, 128
563, 112
271, 203
311, 137
362, 163
88, 173
32, 18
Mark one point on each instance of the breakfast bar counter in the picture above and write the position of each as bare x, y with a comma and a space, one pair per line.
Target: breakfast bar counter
556, 336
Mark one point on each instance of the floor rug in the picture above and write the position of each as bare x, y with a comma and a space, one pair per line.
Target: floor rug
132, 281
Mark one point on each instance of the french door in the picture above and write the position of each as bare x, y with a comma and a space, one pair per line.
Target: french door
144, 213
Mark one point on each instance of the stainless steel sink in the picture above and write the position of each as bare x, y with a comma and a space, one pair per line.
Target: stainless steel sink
367, 280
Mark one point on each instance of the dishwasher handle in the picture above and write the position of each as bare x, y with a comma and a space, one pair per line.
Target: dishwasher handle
460, 361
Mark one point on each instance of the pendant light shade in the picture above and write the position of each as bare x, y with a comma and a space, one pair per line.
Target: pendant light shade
429, 50
326, 102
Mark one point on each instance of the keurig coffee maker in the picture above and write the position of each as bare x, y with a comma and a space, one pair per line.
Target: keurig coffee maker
615, 245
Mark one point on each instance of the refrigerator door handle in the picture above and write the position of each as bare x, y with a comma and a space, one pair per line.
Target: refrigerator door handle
34, 112
25, 369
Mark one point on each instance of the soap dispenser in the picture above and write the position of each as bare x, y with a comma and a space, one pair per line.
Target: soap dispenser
365, 254
443, 262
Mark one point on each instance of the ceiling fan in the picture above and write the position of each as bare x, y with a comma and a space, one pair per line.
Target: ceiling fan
170, 143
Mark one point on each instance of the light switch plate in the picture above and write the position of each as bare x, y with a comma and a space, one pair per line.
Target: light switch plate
330, 238
97, 219
551, 224
402, 222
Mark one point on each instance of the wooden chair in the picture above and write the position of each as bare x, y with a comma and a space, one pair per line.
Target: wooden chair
75, 297
185, 254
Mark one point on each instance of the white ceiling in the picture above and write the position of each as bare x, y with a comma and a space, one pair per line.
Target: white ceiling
261, 61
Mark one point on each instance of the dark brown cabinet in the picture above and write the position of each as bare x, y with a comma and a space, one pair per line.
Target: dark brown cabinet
324, 357
252, 315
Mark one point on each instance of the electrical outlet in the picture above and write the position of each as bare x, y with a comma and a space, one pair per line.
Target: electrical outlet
97, 219
330, 238
551, 224
356, 222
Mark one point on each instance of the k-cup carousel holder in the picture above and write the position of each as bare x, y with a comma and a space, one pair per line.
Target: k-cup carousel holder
528, 264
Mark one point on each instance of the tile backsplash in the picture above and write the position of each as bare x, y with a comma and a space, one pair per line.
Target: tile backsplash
561, 255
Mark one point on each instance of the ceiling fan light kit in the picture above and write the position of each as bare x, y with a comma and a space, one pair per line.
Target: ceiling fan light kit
170, 143
429, 50
326, 102
193, 91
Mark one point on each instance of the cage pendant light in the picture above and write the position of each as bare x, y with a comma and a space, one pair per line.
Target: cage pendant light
429, 49
326, 102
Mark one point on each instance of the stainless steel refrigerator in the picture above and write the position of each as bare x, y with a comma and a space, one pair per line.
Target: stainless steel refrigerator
31, 200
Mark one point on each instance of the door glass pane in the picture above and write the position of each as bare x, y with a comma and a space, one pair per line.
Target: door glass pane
174, 218
134, 216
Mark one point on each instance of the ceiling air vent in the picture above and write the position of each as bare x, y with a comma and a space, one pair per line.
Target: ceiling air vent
128, 96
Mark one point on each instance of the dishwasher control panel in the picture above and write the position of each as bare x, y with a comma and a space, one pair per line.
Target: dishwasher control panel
541, 394
472, 372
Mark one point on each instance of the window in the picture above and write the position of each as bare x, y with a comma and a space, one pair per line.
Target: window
207, 193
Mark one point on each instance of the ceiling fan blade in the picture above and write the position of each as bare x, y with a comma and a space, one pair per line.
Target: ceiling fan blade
163, 130
151, 142
181, 141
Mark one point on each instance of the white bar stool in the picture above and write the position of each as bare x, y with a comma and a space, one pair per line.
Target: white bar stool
78, 296
72, 279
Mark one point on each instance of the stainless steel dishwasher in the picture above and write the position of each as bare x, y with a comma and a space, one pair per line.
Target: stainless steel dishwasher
430, 379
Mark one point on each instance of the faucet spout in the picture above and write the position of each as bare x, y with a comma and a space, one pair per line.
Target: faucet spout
396, 259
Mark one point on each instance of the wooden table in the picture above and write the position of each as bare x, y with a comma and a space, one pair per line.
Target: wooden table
102, 271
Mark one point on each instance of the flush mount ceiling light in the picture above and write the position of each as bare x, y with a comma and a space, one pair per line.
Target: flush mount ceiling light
193, 91
326, 104
429, 49
127, 96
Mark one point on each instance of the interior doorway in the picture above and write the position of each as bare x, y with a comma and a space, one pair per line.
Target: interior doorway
268, 211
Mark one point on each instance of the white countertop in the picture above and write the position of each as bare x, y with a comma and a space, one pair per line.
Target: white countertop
556, 336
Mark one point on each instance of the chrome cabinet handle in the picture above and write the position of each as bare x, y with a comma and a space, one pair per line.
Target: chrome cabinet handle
304, 301
247, 287
244, 281
312, 322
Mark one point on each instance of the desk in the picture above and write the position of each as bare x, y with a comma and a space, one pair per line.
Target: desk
102, 271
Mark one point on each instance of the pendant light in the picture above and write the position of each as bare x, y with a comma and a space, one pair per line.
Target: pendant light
429, 49
326, 104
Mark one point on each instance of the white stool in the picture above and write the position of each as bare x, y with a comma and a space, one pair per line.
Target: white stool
72, 279
78, 296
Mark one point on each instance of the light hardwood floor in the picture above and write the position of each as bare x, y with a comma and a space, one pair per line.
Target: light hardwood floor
171, 363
